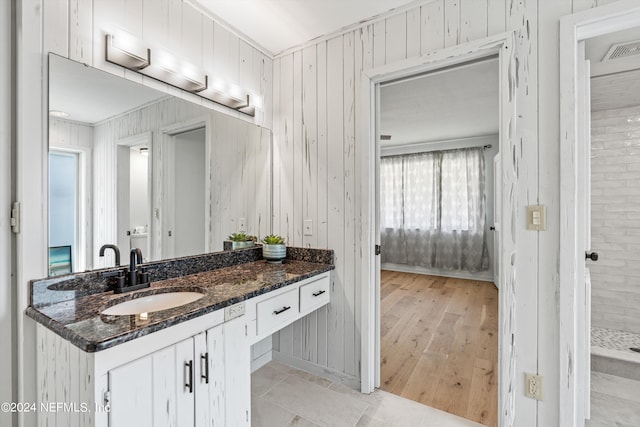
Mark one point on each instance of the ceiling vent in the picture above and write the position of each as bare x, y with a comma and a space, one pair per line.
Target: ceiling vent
622, 50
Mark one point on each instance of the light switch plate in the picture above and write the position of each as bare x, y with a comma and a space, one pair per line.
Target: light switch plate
242, 225
308, 227
536, 217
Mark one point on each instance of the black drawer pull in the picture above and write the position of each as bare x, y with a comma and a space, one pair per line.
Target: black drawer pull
317, 294
189, 378
205, 358
282, 310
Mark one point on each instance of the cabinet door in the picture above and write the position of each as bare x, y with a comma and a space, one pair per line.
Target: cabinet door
131, 394
210, 406
237, 375
185, 368
153, 390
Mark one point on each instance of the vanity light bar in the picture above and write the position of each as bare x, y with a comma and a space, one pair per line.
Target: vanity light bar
124, 51
181, 74
160, 65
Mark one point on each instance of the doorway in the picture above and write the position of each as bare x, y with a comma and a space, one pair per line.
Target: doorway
134, 182
439, 140
603, 82
186, 187
502, 46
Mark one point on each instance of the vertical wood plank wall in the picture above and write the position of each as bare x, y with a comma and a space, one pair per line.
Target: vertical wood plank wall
72, 28
327, 95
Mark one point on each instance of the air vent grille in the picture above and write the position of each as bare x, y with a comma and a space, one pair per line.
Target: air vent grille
622, 50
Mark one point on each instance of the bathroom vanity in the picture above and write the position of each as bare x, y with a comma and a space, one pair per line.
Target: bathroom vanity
183, 366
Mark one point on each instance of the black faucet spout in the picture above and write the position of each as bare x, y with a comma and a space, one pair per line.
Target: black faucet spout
115, 249
135, 255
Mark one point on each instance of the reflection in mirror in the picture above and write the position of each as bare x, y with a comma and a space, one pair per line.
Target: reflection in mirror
139, 168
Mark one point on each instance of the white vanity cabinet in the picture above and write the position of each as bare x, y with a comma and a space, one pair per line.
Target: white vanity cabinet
182, 384
195, 373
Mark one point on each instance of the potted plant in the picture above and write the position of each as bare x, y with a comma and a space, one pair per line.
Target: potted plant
241, 240
273, 248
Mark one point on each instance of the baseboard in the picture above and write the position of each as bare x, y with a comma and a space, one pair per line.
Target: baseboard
261, 360
436, 272
321, 371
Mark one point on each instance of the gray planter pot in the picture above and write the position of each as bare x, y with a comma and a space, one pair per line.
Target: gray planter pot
274, 253
242, 245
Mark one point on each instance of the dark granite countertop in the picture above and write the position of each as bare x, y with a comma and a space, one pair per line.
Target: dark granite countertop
71, 306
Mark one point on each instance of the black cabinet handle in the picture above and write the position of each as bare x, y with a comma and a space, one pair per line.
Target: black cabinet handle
317, 294
189, 380
282, 310
205, 377
591, 255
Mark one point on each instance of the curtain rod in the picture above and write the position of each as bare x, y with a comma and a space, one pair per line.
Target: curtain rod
486, 147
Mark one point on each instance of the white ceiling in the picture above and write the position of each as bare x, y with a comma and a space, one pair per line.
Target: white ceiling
457, 103
89, 95
277, 25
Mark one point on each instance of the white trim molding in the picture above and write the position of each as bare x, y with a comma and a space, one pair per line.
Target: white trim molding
574, 28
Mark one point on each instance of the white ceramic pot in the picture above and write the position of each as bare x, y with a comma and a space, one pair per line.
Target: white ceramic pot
242, 245
274, 253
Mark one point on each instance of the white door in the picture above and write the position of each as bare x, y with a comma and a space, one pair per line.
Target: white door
583, 236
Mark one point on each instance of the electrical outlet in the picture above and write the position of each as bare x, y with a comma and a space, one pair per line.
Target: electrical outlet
242, 225
533, 385
234, 311
308, 227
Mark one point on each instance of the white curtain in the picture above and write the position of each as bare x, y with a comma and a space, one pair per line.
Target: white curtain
433, 210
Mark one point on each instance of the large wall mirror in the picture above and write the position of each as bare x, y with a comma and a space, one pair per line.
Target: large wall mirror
138, 168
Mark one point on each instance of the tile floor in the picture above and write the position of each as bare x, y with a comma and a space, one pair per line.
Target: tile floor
615, 401
284, 396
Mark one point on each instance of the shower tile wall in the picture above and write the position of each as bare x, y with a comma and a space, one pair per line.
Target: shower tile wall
615, 218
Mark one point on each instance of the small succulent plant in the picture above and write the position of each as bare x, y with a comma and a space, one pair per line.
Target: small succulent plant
241, 237
273, 239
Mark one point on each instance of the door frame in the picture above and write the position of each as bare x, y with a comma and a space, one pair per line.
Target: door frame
504, 46
573, 29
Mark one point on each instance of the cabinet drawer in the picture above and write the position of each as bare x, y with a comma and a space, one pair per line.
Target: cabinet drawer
277, 311
314, 294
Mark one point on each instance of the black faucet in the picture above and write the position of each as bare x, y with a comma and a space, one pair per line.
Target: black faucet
115, 250
132, 279
135, 255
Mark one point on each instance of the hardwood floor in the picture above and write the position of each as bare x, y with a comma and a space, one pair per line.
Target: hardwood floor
440, 343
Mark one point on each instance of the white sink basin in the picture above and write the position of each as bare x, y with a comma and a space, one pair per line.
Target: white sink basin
152, 303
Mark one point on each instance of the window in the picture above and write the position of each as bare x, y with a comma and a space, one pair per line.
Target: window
433, 209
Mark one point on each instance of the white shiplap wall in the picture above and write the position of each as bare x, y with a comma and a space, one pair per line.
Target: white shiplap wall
316, 90
67, 27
